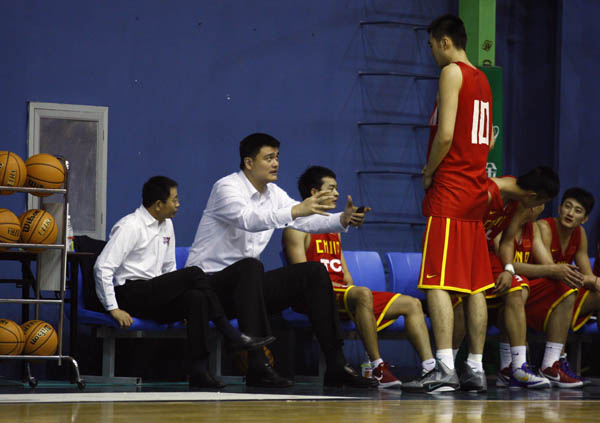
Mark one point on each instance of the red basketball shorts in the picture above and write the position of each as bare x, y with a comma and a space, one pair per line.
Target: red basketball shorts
544, 296
381, 303
455, 256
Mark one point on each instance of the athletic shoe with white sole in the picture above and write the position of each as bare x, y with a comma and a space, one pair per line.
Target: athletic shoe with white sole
385, 377
561, 375
439, 379
503, 378
472, 380
525, 377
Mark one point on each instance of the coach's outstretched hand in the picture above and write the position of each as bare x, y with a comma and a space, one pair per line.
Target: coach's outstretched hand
315, 204
351, 216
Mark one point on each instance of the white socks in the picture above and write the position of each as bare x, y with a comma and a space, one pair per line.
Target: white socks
428, 365
474, 362
519, 356
505, 355
446, 357
552, 354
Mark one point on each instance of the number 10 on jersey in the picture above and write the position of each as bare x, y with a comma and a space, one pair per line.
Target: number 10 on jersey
480, 133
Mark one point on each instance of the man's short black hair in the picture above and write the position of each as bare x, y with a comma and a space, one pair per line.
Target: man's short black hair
251, 145
451, 26
157, 188
313, 178
583, 197
542, 180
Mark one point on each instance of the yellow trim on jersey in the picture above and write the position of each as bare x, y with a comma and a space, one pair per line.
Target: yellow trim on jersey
554, 305
425, 250
346, 300
385, 309
576, 326
445, 255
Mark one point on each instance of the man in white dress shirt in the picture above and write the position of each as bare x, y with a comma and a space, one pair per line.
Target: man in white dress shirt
136, 273
243, 210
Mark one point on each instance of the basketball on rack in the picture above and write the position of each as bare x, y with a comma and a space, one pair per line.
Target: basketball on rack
13, 172
40, 338
12, 338
44, 171
10, 227
38, 227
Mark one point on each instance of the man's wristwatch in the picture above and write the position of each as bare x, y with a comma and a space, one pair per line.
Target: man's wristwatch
510, 268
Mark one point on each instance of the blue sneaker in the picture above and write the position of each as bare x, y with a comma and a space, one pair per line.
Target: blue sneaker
525, 377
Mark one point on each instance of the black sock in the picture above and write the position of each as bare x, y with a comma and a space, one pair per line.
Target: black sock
229, 332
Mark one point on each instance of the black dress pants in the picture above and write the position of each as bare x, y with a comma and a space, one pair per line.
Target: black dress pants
174, 296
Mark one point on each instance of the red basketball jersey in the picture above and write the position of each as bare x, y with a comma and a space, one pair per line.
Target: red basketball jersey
524, 245
555, 248
459, 188
498, 214
326, 249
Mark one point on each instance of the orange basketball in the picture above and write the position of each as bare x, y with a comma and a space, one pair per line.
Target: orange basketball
12, 338
44, 171
13, 172
10, 227
40, 338
38, 227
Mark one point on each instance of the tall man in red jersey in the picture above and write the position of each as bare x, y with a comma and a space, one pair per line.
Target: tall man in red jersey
511, 199
563, 240
455, 201
371, 311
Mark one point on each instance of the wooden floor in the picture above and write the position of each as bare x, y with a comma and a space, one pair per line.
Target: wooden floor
413, 411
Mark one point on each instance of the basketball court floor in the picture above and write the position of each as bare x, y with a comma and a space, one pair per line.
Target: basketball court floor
174, 402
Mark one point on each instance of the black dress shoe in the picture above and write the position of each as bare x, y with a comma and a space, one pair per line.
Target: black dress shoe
347, 376
205, 380
266, 377
249, 343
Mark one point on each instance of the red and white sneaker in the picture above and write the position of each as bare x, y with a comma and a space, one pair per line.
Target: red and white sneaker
503, 379
385, 377
561, 375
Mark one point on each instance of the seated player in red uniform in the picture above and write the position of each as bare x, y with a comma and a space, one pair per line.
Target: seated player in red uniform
568, 298
510, 199
370, 310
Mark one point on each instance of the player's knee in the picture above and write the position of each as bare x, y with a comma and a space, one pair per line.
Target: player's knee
363, 295
514, 299
413, 306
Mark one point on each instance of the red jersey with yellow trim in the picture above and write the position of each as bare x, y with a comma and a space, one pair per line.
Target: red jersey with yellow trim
326, 248
524, 246
498, 214
459, 188
557, 254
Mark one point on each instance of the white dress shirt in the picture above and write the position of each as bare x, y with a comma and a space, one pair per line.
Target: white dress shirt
139, 248
238, 222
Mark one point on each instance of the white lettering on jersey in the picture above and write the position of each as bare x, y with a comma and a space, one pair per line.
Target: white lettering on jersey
479, 129
334, 264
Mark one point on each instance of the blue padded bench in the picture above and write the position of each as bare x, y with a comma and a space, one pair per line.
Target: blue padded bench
108, 330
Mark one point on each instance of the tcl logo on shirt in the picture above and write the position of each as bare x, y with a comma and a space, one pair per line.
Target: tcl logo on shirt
334, 265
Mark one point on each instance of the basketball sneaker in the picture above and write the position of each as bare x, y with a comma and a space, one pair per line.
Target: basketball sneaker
561, 375
525, 377
472, 380
439, 379
385, 377
503, 378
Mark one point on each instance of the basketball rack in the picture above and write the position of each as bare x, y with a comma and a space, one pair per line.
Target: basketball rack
37, 301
